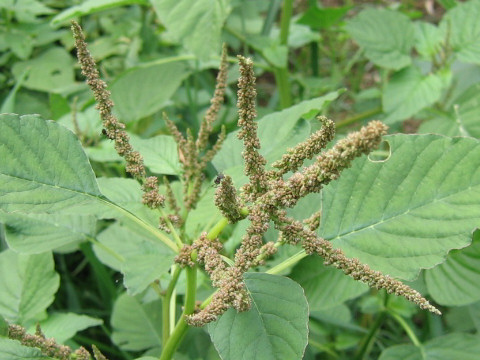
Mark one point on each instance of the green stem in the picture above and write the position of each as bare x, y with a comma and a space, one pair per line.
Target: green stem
287, 262
359, 117
370, 337
405, 327
181, 328
173, 231
281, 74
285, 21
166, 305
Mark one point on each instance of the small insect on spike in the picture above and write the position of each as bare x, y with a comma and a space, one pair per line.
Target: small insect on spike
104, 132
218, 179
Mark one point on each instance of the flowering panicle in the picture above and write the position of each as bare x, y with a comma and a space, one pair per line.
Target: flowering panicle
151, 196
229, 280
227, 201
254, 162
48, 347
192, 153
216, 103
294, 158
114, 129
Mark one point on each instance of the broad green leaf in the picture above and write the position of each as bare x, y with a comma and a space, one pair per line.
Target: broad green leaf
325, 286
64, 326
43, 166
462, 119
136, 326
141, 270
323, 18
145, 89
462, 26
29, 287
408, 92
452, 346
3, 327
13, 350
27, 10
286, 127
274, 328
159, 154
197, 24
139, 259
428, 39
456, 282
50, 71
37, 233
408, 212
91, 7
386, 36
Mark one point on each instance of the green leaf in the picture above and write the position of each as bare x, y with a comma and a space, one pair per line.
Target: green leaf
197, 24
43, 167
406, 213
288, 131
323, 18
141, 270
49, 71
29, 287
136, 326
462, 26
64, 326
145, 89
462, 118
325, 286
3, 327
386, 36
408, 92
91, 7
456, 282
159, 153
13, 350
274, 328
204, 216
36, 233
428, 39
452, 346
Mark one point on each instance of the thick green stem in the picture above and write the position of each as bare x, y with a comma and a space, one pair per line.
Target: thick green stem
181, 328
281, 74
370, 337
166, 305
292, 260
406, 327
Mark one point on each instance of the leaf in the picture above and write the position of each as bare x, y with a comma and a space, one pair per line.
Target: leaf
323, 18
406, 213
141, 270
29, 287
50, 71
408, 92
43, 167
428, 39
159, 153
37, 233
13, 350
64, 326
197, 24
462, 118
136, 326
274, 328
386, 36
143, 90
3, 327
288, 130
91, 7
325, 286
456, 282
462, 26
452, 346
